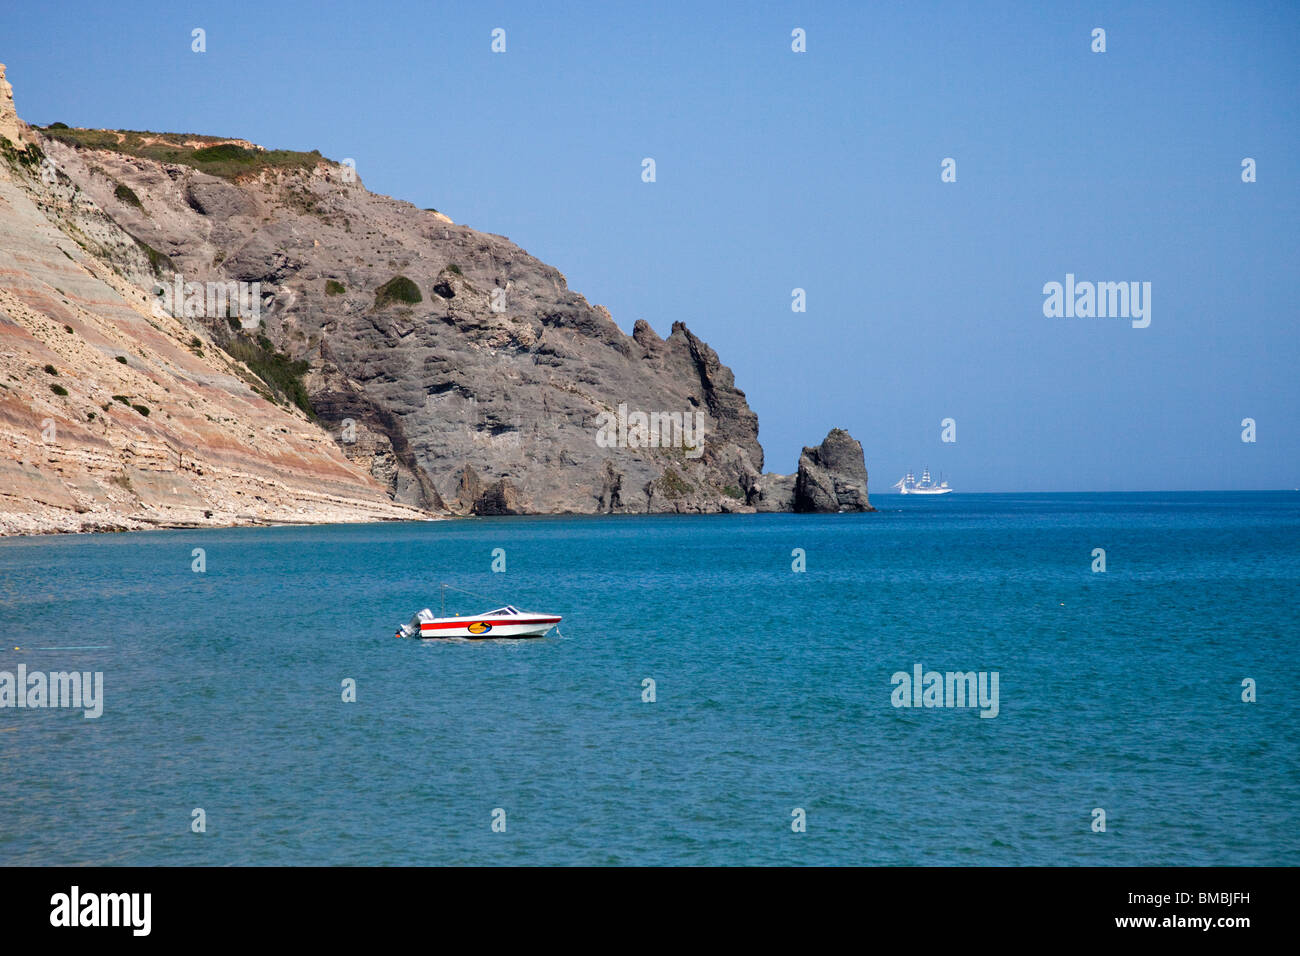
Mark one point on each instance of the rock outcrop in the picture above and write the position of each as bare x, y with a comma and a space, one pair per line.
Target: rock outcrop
774, 493
832, 476
11, 127
453, 371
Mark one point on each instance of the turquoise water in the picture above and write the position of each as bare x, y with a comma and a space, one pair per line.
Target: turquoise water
1119, 690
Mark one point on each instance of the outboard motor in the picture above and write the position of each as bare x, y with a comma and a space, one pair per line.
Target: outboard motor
413, 629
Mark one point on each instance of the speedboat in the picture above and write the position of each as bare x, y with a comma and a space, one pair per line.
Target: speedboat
506, 621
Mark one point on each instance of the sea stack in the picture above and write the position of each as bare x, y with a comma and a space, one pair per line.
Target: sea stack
832, 476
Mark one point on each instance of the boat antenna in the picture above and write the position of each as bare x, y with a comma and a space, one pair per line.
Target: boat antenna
444, 586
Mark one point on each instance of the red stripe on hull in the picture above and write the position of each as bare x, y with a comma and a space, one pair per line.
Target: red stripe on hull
444, 625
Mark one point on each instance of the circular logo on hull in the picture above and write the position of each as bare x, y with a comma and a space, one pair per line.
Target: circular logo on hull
479, 627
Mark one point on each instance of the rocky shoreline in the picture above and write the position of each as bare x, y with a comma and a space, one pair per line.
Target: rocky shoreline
196, 332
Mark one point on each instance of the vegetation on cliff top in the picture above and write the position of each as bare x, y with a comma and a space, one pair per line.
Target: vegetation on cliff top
210, 154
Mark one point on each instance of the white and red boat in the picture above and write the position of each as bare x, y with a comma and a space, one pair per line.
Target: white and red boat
506, 621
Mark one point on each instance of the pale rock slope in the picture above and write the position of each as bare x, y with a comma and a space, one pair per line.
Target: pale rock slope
76, 330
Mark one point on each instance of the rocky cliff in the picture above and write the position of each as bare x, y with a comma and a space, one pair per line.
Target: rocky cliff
456, 370
114, 418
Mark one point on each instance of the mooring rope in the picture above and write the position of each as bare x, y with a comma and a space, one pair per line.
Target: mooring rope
453, 587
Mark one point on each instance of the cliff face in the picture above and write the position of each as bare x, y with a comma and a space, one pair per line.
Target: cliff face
435, 348
458, 372
112, 417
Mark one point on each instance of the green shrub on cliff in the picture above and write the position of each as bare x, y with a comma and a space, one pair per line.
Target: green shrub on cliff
128, 196
29, 157
158, 261
672, 484
276, 369
397, 289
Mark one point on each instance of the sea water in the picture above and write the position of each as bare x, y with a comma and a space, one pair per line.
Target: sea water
704, 702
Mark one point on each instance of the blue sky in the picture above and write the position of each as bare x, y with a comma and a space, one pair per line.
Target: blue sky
821, 171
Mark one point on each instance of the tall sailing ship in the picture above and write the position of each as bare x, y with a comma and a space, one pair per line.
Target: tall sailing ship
926, 486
